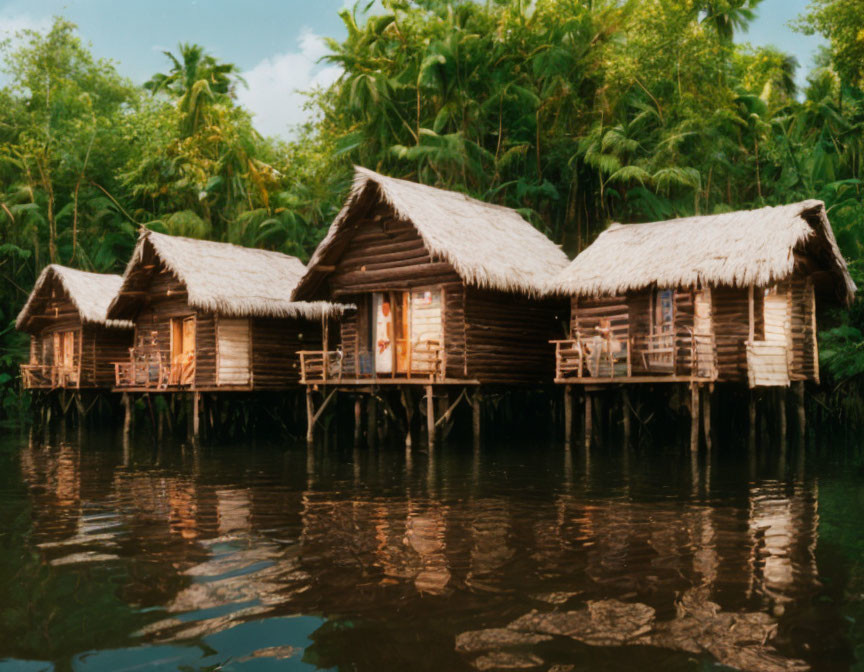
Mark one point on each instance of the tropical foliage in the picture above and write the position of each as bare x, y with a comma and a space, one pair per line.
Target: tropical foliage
576, 112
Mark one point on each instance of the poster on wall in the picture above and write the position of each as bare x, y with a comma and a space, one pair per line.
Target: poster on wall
383, 334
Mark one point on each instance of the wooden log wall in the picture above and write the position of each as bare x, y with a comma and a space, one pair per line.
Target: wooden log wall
455, 339
803, 365
507, 337
205, 350
731, 331
384, 253
101, 347
275, 342
153, 321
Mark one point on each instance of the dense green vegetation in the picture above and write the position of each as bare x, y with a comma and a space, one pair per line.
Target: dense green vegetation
576, 112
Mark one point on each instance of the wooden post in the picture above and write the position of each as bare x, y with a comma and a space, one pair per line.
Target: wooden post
372, 421
310, 416
588, 416
358, 419
799, 407
196, 411
568, 414
430, 417
408, 403
751, 407
477, 417
694, 417
127, 414
781, 411
625, 416
706, 415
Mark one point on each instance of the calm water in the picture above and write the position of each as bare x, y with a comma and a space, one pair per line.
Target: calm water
274, 557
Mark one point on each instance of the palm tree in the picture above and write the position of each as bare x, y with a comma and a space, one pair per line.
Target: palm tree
195, 79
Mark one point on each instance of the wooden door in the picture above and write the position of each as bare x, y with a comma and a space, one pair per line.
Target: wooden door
68, 349
182, 350
233, 365
661, 346
383, 341
426, 330
402, 321
187, 375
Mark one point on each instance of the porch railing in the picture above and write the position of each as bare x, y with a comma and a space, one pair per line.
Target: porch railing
424, 360
153, 371
619, 356
50, 376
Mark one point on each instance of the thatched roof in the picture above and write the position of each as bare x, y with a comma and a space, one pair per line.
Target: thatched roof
737, 248
221, 278
488, 245
90, 293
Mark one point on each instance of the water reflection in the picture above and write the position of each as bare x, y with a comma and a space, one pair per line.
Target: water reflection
378, 559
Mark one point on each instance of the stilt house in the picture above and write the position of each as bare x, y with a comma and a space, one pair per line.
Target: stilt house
447, 289
213, 316
72, 343
728, 297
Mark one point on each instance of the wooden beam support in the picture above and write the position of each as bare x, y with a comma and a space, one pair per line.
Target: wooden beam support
568, 414
588, 419
694, 418
310, 417
430, 416
477, 417
706, 416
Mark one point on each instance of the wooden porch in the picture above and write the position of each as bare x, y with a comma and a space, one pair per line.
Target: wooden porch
420, 363
149, 371
50, 376
614, 356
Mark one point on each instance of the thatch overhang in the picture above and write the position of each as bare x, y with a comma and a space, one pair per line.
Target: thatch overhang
489, 246
220, 278
90, 293
758, 247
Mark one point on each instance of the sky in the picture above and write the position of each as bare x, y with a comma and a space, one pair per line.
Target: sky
276, 43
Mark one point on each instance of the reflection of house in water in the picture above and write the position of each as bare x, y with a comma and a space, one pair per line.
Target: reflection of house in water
784, 529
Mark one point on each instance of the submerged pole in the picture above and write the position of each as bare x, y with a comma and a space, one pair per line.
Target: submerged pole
706, 415
694, 417
127, 414
310, 417
568, 414
196, 414
358, 419
751, 407
625, 415
430, 416
588, 416
477, 417
800, 411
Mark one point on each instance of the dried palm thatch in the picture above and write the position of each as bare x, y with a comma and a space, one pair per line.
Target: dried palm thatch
489, 246
738, 249
90, 293
223, 278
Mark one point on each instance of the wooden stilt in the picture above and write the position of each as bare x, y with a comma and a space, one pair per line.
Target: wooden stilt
127, 414
781, 412
408, 403
477, 417
196, 414
430, 416
588, 420
358, 419
310, 417
800, 412
371, 421
694, 417
568, 414
751, 408
625, 416
706, 415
